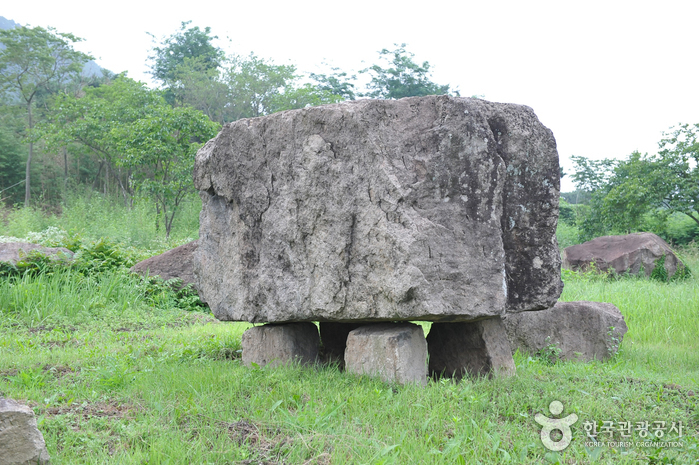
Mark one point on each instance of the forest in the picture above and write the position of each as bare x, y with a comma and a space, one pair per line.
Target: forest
129, 369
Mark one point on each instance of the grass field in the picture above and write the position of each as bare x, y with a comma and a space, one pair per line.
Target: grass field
118, 373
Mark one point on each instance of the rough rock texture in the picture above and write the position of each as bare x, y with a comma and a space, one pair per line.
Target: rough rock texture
395, 352
425, 208
581, 330
279, 344
21, 443
478, 348
14, 251
175, 263
622, 254
333, 339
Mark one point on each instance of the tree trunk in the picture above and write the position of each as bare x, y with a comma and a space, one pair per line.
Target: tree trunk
65, 169
27, 175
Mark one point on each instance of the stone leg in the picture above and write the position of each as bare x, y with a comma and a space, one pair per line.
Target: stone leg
279, 344
478, 348
395, 352
333, 338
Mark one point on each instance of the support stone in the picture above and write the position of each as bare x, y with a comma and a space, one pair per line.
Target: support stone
479, 348
395, 352
280, 344
333, 339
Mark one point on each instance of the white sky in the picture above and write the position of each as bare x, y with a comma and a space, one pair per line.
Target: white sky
607, 77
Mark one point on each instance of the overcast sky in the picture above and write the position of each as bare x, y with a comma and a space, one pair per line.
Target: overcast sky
608, 77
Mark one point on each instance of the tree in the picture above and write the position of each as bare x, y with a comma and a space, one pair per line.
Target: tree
402, 77
184, 48
132, 128
626, 192
254, 85
36, 59
337, 83
161, 148
91, 118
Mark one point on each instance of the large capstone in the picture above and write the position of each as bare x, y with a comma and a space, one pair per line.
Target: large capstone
426, 208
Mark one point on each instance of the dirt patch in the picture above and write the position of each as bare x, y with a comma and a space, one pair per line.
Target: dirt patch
111, 409
7, 374
58, 370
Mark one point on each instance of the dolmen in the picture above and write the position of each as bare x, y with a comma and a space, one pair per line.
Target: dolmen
368, 216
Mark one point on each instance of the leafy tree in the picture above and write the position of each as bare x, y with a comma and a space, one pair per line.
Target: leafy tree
401, 77
255, 85
36, 59
629, 194
203, 88
132, 128
183, 48
337, 83
90, 119
160, 148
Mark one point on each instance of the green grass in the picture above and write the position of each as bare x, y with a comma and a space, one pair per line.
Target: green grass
118, 373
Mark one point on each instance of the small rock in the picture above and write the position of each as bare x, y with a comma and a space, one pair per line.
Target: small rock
280, 344
581, 330
622, 254
478, 348
21, 443
395, 352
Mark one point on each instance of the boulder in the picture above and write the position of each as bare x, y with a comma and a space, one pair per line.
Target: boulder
426, 208
175, 263
21, 442
280, 344
478, 348
581, 330
13, 252
622, 254
394, 352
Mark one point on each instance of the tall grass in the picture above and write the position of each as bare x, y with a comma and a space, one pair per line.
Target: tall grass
94, 215
66, 295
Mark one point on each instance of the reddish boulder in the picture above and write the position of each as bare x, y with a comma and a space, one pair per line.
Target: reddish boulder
629, 253
175, 263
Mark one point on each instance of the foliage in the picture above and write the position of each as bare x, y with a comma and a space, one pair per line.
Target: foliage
401, 77
183, 48
255, 84
36, 60
642, 190
336, 83
10, 166
102, 263
160, 149
133, 129
551, 353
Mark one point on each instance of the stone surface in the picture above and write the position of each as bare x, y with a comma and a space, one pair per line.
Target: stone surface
426, 208
21, 443
478, 348
622, 254
581, 330
395, 352
13, 252
333, 340
280, 344
175, 263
